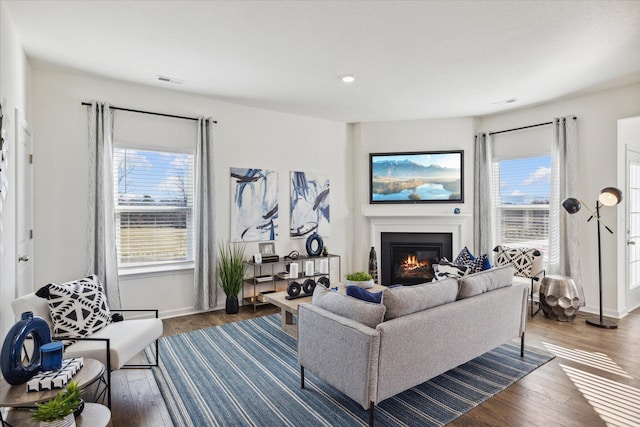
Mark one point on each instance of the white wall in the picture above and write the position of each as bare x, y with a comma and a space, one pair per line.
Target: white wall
244, 137
14, 94
597, 115
399, 136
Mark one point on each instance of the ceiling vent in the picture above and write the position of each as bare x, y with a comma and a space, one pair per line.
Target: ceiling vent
170, 80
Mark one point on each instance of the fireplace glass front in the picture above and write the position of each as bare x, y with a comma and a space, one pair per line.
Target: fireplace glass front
407, 258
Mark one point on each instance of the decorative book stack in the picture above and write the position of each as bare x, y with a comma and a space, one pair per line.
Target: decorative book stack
50, 380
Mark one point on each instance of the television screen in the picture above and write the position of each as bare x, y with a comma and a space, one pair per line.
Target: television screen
417, 177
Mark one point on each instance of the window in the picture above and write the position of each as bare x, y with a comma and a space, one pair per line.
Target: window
521, 188
154, 209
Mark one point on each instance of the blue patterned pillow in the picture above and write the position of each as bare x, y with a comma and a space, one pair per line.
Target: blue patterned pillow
479, 264
364, 295
464, 257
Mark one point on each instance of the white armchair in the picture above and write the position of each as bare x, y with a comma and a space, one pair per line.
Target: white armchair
529, 269
114, 345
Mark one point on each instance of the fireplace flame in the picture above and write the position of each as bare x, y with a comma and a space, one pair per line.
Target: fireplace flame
412, 263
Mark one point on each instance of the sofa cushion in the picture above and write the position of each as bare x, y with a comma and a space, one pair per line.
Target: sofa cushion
522, 259
404, 300
367, 313
78, 308
364, 295
485, 281
445, 269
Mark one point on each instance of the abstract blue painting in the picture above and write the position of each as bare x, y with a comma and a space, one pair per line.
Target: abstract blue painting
254, 205
309, 204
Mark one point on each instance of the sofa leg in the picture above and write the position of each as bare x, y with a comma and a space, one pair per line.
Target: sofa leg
522, 345
301, 376
372, 408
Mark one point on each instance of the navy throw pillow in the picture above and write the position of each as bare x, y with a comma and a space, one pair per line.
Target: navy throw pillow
364, 295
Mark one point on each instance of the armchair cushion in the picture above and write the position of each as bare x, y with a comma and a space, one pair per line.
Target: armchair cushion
522, 259
78, 308
126, 339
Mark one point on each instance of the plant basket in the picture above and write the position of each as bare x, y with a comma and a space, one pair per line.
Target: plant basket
68, 421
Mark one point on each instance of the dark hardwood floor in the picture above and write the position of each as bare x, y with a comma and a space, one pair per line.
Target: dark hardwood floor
594, 379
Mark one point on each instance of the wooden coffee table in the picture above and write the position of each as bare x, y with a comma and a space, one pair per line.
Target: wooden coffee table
289, 307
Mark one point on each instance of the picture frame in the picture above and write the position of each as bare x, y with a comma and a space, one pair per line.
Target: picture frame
268, 248
416, 177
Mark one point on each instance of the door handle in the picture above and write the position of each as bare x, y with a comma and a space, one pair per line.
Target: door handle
631, 242
23, 258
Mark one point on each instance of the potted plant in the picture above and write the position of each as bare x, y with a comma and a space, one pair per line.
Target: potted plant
230, 272
361, 279
59, 411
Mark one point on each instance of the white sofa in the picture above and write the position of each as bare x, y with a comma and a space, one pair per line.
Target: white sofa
114, 345
423, 331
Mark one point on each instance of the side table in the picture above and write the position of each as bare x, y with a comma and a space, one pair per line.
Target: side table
16, 396
559, 298
93, 415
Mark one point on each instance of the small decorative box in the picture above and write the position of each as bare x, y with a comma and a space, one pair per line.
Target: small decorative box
50, 380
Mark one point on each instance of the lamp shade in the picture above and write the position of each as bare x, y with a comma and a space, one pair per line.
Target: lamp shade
571, 205
610, 196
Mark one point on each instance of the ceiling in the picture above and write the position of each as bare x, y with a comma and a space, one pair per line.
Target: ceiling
412, 59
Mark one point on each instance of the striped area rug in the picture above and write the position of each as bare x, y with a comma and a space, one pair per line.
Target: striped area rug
246, 374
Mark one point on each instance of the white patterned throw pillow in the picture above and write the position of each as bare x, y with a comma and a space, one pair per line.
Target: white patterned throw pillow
78, 308
445, 269
520, 258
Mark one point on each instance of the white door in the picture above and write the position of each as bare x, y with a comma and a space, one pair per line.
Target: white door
24, 207
633, 228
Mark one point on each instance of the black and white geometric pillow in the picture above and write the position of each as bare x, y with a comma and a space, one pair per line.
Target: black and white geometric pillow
464, 257
78, 308
520, 258
445, 269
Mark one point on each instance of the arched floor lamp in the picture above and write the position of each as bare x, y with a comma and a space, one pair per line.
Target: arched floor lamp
609, 196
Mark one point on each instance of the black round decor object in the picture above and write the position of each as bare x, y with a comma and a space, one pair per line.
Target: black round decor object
314, 245
293, 289
324, 281
308, 286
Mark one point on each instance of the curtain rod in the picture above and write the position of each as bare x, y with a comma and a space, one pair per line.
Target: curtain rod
523, 127
150, 112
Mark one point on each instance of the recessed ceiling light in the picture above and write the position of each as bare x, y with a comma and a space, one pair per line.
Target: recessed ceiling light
170, 80
348, 78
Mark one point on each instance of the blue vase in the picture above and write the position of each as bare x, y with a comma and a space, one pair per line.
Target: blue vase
13, 370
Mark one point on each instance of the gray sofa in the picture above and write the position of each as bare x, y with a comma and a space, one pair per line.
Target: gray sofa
371, 352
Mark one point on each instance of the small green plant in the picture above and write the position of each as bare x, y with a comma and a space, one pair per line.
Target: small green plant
230, 268
65, 403
359, 276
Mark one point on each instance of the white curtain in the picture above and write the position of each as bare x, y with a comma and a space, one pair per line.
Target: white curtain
564, 257
205, 284
482, 215
101, 231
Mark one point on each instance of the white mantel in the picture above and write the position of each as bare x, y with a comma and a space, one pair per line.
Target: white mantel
459, 225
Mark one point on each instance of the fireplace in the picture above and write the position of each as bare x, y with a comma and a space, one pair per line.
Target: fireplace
406, 258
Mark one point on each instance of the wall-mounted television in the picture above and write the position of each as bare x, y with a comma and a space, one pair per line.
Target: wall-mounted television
417, 177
